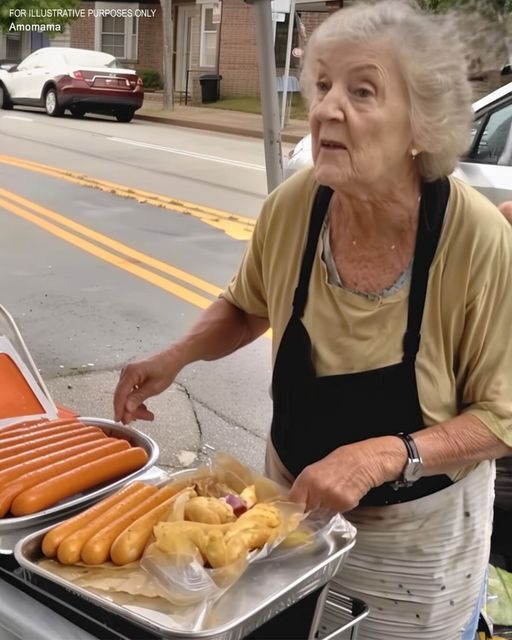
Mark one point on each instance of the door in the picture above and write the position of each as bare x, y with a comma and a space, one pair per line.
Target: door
183, 46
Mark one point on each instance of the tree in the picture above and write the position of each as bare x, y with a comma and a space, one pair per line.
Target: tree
17, 12
167, 40
486, 26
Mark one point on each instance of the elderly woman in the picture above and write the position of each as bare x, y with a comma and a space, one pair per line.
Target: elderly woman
386, 285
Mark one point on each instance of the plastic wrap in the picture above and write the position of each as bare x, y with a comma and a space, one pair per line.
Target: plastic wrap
182, 586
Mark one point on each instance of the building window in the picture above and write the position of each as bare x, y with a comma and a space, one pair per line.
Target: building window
13, 47
116, 34
208, 53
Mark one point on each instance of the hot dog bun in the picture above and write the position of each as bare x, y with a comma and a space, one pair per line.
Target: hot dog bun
78, 479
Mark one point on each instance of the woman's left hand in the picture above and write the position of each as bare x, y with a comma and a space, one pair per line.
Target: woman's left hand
341, 479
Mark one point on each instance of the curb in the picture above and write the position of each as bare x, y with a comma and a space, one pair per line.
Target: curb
220, 128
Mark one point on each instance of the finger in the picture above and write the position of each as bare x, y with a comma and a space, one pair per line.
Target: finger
143, 413
125, 385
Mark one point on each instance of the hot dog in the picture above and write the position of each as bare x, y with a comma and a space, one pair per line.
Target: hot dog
129, 545
59, 445
78, 479
39, 442
99, 449
55, 536
12, 429
19, 470
97, 549
26, 436
71, 547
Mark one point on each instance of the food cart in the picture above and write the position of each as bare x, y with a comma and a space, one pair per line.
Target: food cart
39, 604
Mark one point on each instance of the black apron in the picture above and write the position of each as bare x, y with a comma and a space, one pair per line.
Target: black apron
314, 415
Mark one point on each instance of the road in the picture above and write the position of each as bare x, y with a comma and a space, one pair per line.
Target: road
96, 274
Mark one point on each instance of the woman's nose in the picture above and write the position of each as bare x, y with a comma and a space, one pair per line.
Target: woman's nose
331, 107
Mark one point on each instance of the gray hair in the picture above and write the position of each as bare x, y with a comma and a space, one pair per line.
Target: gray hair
432, 58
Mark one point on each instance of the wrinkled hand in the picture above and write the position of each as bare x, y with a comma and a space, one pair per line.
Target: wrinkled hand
141, 380
340, 480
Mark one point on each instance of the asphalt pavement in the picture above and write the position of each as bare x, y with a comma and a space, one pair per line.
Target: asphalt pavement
186, 431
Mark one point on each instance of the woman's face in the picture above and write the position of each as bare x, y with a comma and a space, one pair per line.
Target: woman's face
359, 117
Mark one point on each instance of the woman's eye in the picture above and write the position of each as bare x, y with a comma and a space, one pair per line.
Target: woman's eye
322, 87
363, 92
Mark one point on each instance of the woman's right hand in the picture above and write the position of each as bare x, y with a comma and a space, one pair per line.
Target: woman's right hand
141, 380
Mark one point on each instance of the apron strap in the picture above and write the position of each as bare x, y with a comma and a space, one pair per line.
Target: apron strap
434, 198
318, 213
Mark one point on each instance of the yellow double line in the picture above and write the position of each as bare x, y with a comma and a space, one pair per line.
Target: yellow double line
101, 246
235, 226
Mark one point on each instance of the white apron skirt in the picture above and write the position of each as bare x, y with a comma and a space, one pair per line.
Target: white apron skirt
420, 565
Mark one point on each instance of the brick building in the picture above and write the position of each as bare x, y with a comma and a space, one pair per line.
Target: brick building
216, 37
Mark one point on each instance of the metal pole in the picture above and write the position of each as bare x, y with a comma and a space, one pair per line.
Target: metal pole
291, 22
268, 92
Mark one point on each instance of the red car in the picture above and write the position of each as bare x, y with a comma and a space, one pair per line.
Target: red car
80, 80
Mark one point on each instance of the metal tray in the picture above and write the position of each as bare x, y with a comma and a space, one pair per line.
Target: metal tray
258, 596
134, 437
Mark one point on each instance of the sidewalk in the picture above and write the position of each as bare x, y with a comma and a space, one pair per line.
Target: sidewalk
212, 119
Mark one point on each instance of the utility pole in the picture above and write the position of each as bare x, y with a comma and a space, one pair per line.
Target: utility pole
168, 53
268, 93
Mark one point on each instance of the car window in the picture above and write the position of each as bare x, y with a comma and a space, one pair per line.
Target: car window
495, 143
29, 61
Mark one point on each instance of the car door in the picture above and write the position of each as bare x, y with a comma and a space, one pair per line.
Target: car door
23, 79
488, 164
38, 73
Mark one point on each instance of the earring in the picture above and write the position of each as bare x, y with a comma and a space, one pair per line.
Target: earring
414, 153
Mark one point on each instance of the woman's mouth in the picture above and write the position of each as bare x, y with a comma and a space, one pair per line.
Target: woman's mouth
332, 145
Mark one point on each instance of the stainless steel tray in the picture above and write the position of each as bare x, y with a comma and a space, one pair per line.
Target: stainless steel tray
258, 595
134, 437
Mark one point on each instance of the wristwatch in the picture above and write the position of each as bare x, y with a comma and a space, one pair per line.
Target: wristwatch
413, 469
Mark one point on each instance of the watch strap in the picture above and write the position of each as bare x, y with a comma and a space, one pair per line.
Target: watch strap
410, 445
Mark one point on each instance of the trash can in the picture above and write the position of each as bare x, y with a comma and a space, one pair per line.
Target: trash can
210, 87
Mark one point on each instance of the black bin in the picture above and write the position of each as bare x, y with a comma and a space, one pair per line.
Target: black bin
210, 87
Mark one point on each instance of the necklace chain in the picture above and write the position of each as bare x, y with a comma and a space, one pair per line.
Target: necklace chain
391, 247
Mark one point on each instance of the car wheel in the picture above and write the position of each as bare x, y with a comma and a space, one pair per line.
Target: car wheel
51, 103
5, 100
76, 112
124, 115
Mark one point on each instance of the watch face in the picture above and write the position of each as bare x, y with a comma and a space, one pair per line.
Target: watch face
413, 471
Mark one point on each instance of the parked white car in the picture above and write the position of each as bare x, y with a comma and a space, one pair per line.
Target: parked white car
487, 165
80, 80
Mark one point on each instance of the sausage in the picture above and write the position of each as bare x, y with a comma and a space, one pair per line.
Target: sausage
70, 548
19, 470
55, 536
97, 549
129, 545
78, 479
59, 445
38, 442
27, 436
99, 449
31, 425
